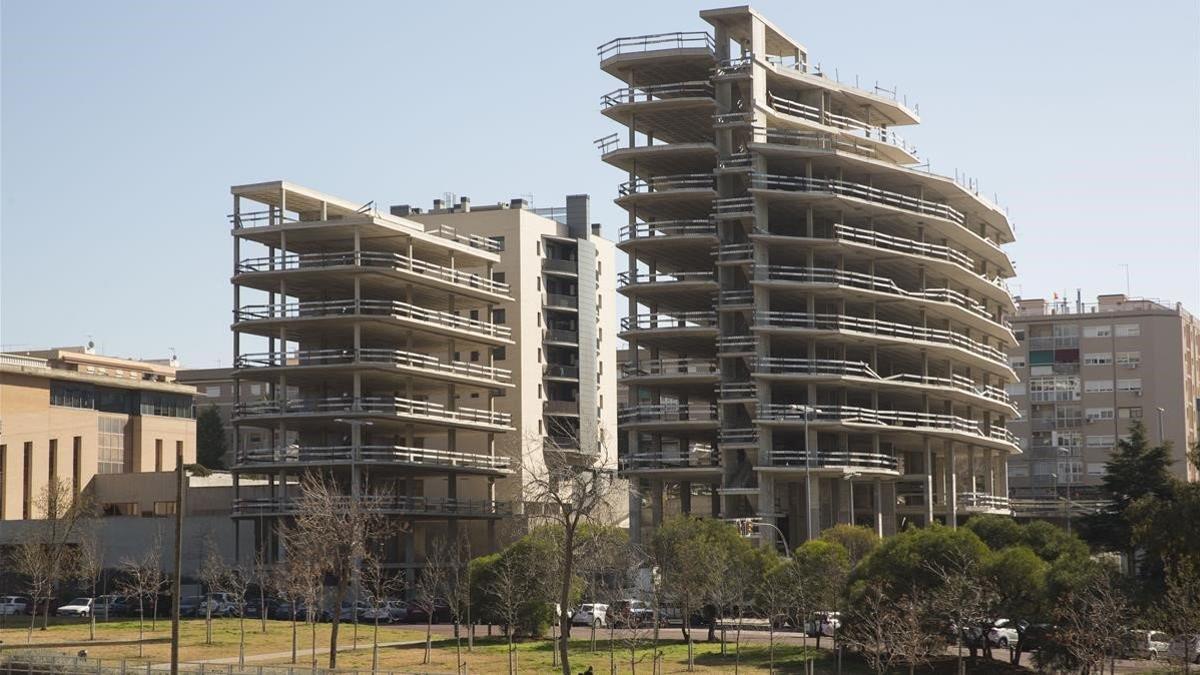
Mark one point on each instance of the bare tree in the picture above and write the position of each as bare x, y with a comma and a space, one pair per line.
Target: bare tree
211, 572
143, 580
458, 590
775, 598
46, 558
234, 583
28, 558
1179, 613
156, 579
379, 584
963, 598
291, 580
1091, 623
260, 573
431, 587
89, 564
573, 492
301, 579
869, 626
509, 588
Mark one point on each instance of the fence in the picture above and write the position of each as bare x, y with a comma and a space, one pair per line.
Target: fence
33, 663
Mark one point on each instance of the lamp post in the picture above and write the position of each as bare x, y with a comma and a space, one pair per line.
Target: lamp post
808, 499
1070, 479
849, 478
1161, 438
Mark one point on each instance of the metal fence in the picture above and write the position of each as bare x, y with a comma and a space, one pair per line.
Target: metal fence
36, 663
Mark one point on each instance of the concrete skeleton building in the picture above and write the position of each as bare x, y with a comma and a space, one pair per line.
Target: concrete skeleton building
561, 313
215, 388
1087, 372
364, 327
817, 328
69, 415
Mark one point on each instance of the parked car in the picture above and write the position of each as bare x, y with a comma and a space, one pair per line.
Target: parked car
824, 624
283, 609
76, 607
223, 604
1003, 633
384, 612
1185, 647
631, 612
590, 614
190, 606
1147, 644
417, 613
13, 604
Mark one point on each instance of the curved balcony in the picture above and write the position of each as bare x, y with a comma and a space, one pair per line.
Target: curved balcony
828, 276
373, 406
857, 191
695, 459
669, 369
397, 505
669, 414
885, 329
702, 182
860, 370
837, 461
409, 362
657, 92
982, 502
390, 309
737, 437
842, 123
668, 229
640, 44
919, 422
408, 267
387, 455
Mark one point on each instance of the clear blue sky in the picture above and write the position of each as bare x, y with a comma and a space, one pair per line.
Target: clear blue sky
123, 125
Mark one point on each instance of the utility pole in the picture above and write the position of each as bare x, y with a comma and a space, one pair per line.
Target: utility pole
177, 573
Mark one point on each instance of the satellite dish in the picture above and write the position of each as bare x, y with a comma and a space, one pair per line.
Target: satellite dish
91, 345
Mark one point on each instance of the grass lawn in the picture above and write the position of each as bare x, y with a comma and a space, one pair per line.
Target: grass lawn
278, 638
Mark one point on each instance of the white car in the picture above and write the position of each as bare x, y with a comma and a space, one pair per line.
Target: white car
13, 604
590, 615
223, 604
76, 607
1185, 647
824, 624
1148, 644
1003, 633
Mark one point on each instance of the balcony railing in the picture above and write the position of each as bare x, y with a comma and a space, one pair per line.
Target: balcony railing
562, 300
395, 261
785, 412
560, 444
743, 251
685, 181
628, 278
388, 505
390, 357
736, 296
669, 321
376, 454
668, 228
657, 92
854, 324
472, 240
385, 308
814, 114
567, 372
561, 335
983, 502
857, 191
736, 390
20, 361
382, 405
668, 412
832, 276
645, 43
556, 265
743, 62
691, 458
737, 435
736, 343
560, 407
670, 367
730, 207
821, 459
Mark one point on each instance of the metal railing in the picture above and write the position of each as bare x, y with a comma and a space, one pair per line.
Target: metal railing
815, 114
736, 296
392, 357
629, 278
668, 228
646, 367
387, 405
983, 501
560, 335
558, 265
387, 504
686, 181
555, 370
857, 191
735, 252
834, 459
395, 261
733, 206
668, 412
736, 64
561, 300
854, 324
736, 390
645, 43
785, 412
560, 407
737, 435
387, 308
248, 219
295, 454
657, 92
815, 140
669, 321
689, 458
472, 240
736, 343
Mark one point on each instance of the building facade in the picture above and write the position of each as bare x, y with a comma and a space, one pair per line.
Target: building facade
1087, 372
561, 313
215, 388
359, 325
817, 329
68, 415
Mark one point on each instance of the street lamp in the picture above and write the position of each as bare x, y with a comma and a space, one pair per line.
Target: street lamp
1161, 438
849, 478
808, 498
1070, 479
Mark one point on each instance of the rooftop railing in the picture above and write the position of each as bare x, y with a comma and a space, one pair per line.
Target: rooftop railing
21, 361
826, 459
668, 228
472, 240
390, 357
983, 501
645, 43
688, 181
384, 454
307, 261
248, 219
857, 191
657, 92
785, 412
842, 322
628, 278
740, 63
390, 504
668, 412
669, 321
385, 405
349, 308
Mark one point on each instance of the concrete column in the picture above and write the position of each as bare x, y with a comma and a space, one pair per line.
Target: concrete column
989, 471
635, 513
685, 497
928, 481
656, 503
878, 504
952, 485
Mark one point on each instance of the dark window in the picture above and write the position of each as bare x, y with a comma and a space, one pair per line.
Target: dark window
499, 353
77, 464
158, 454
114, 401
3, 466
499, 242
27, 501
499, 316
474, 314
53, 460
72, 395
498, 277
474, 357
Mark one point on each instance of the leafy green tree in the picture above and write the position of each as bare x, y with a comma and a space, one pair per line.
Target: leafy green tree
1019, 577
688, 570
909, 559
1134, 470
996, 531
211, 441
856, 539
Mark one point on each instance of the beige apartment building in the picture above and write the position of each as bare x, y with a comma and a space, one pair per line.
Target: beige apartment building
69, 414
561, 312
1086, 372
375, 340
817, 328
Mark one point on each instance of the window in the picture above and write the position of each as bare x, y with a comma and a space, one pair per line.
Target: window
539, 283
165, 405
1106, 441
1130, 413
499, 316
539, 319
1128, 329
499, 353
539, 355
1133, 385
120, 509
1097, 386
1019, 334
539, 391
474, 314
158, 454
53, 460
1097, 331
1095, 469
1097, 358
498, 277
1015, 388
539, 247
1097, 414
475, 357
112, 455
164, 508
212, 390
499, 242
1130, 359
1017, 361
27, 501
72, 395
178, 451
76, 464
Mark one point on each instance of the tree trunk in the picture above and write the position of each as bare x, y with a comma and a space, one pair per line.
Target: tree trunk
313, 624
564, 597
458, 662
337, 618
512, 666
154, 614
375, 645
428, 635
141, 620
737, 647
770, 645
46, 611
208, 619
242, 637
262, 607
92, 614
293, 631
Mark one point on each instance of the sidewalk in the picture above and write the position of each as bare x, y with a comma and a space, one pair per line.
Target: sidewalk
301, 653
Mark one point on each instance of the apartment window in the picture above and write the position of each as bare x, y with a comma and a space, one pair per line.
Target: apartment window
1035, 371
1097, 386
499, 316
499, 277
474, 314
499, 353
539, 283
212, 390
178, 450
539, 319
1019, 334
164, 508
1097, 414
158, 454
1131, 385
1130, 413
77, 464
1097, 358
475, 357
1017, 361
539, 355
112, 453
499, 242
165, 405
72, 395
1015, 388
1132, 359
539, 391
53, 460
1095, 469
120, 509
27, 482
457, 356
1128, 329
1097, 331
539, 247
1105, 441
